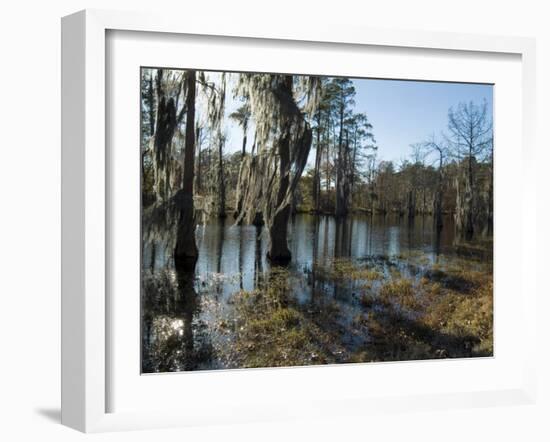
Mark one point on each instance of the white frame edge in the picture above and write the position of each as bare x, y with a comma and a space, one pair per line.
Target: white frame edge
84, 196
83, 222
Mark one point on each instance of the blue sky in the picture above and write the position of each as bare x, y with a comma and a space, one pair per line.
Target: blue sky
406, 112
401, 112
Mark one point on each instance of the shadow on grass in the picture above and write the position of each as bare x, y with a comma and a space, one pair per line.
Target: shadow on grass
447, 280
397, 338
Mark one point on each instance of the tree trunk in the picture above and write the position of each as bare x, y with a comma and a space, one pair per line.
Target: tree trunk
490, 198
327, 168
186, 253
438, 203
221, 181
239, 194
411, 204
198, 185
278, 251
470, 199
244, 142
464, 211
424, 210
346, 173
238, 191
316, 174
340, 209
352, 170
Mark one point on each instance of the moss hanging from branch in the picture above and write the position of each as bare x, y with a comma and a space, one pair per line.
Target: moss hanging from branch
215, 94
269, 177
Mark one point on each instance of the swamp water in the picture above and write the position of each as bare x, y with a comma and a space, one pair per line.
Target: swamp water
361, 289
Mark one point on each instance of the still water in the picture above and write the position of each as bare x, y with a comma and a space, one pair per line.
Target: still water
185, 316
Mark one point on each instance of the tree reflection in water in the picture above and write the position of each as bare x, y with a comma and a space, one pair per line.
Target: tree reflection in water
337, 298
174, 339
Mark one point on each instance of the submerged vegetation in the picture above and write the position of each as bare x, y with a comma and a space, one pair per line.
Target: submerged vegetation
407, 317
420, 312
275, 331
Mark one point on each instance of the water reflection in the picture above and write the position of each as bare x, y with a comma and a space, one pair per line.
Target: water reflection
187, 320
172, 327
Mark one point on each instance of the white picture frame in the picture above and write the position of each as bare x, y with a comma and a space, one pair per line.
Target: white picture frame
85, 197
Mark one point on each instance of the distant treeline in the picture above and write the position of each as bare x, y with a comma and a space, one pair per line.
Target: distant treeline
407, 189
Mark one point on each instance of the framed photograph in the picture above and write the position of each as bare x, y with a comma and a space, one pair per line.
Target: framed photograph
276, 223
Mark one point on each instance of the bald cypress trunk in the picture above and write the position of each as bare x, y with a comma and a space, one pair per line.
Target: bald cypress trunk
352, 172
221, 181
316, 174
340, 196
464, 215
278, 251
186, 253
198, 181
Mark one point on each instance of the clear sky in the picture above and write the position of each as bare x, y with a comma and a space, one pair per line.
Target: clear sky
406, 112
401, 112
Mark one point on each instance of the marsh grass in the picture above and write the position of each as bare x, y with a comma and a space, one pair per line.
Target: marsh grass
443, 310
482, 249
442, 314
344, 269
272, 331
401, 292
